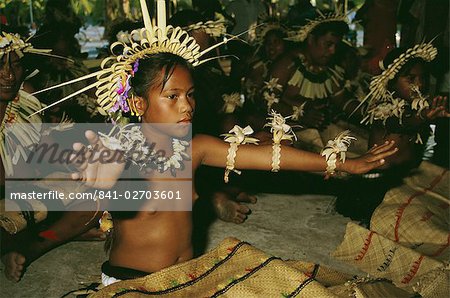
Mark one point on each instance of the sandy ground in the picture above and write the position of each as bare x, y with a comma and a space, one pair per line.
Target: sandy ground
291, 227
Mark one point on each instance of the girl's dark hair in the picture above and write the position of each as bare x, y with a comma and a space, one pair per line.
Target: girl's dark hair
148, 74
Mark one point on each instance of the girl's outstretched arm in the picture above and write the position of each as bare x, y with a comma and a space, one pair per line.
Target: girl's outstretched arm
212, 151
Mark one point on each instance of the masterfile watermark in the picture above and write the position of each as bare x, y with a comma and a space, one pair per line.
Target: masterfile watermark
153, 174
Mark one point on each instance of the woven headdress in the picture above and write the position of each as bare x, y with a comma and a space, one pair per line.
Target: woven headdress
300, 34
378, 85
112, 79
12, 42
214, 28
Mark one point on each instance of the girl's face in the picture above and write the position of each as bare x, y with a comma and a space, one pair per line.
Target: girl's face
274, 46
415, 76
174, 104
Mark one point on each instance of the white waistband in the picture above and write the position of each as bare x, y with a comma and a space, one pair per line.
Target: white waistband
108, 280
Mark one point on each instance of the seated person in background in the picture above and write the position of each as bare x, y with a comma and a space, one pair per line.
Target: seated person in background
270, 45
396, 109
25, 235
304, 82
399, 108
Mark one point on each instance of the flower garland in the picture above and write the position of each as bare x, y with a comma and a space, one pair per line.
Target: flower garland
391, 107
130, 139
396, 107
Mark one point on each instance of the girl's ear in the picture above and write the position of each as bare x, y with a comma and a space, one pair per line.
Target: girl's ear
139, 105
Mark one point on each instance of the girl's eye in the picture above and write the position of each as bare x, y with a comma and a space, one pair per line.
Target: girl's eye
191, 94
172, 96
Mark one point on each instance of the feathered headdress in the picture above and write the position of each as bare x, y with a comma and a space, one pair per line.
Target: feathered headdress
112, 80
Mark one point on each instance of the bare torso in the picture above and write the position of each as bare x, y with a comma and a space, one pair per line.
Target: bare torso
151, 241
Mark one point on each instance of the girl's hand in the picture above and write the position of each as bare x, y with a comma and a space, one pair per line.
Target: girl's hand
374, 158
438, 108
98, 166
